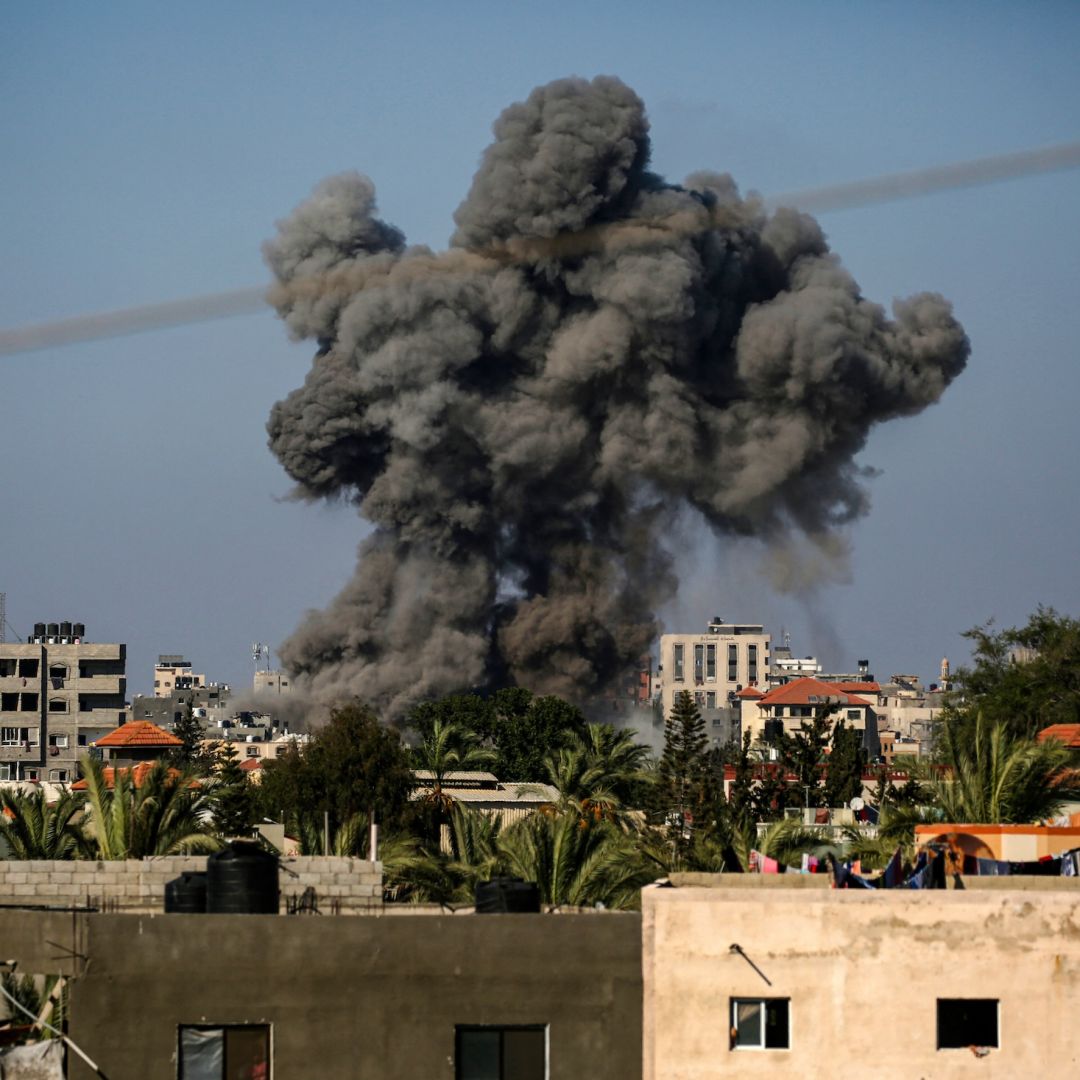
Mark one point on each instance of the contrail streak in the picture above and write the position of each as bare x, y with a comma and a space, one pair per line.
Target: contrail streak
893, 187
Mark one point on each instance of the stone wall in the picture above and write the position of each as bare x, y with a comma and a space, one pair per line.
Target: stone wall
342, 885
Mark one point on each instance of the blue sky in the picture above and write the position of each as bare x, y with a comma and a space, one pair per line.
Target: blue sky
149, 149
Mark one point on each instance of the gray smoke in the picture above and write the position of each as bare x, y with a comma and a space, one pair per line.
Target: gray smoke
523, 416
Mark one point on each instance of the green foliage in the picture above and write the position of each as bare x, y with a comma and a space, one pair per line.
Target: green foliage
1025, 677
598, 773
574, 861
39, 996
992, 774
37, 829
803, 753
352, 765
682, 773
231, 799
191, 756
518, 728
844, 768
162, 816
447, 747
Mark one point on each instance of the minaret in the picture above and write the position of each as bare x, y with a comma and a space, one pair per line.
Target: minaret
944, 681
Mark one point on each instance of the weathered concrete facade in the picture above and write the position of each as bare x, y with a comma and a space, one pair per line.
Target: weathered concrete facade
862, 972
57, 695
376, 998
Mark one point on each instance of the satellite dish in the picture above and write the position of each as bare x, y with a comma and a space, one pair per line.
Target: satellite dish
856, 803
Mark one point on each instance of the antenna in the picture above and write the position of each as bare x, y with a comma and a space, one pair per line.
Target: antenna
4, 624
258, 650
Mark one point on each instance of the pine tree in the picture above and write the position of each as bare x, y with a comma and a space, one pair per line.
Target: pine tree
845, 766
233, 804
189, 730
681, 777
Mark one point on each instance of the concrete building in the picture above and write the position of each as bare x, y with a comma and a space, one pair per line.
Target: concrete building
714, 667
173, 672
787, 706
209, 702
272, 682
135, 742
498, 997
58, 693
744, 978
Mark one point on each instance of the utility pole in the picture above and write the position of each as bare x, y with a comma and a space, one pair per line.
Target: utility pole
3, 615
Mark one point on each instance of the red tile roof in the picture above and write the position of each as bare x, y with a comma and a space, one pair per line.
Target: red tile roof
800, 691
138, 775
749, 692
1069, 734
860, 687
250, 764
139, 733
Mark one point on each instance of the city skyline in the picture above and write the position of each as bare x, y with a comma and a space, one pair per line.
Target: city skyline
152, 154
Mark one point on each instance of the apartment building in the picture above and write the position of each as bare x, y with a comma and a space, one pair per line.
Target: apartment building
58, 694
173, 672
714, 666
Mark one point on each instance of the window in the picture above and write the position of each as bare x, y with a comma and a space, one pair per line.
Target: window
699, 699
854, 714
964, 1022
501, 1053
751, 662
710, 699
224, 1053
279, 751
13, 736
31, 774
252, 751
732, 663
28, 669
58, 776
699, 663
760, 1023
57, 671
710, 661
677, 651
58, 705
29, 703
58, 740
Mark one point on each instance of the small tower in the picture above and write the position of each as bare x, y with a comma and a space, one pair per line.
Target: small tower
943, 682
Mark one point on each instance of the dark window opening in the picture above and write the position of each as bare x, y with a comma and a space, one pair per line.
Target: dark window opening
732, 662
501, 1053
29, 703
9, 702
677, 662
964, 1022
58, 705
760, 1024
7, 668
28, 669
224, 1053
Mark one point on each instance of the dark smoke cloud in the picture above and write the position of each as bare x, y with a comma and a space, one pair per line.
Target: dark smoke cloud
523, 416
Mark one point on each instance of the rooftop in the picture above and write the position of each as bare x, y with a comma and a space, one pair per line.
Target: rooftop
138, 733
812, 692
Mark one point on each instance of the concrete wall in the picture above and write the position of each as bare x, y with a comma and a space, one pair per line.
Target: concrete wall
343, 885
863, 972
347, 998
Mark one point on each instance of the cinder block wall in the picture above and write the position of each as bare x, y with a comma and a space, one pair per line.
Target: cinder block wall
342, 885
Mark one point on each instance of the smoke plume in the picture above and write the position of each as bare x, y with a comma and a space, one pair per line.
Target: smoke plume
523, 416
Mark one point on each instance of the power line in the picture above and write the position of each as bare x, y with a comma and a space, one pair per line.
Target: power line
892, 187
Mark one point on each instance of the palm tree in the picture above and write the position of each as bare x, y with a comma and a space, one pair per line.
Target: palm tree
575, 861
448, 747
998, 776
167, 813
597, 771
37, 829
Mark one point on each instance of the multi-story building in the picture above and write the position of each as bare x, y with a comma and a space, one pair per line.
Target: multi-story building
58, 694
173, 672
272, 682
714, 667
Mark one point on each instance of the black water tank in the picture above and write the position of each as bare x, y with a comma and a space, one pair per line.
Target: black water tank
507, 895
79, 630
39, 629
242, 879
186, 895
65, 629
54, 629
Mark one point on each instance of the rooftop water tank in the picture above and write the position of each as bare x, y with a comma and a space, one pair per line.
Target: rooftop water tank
507, 895
186, 895
242, 879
